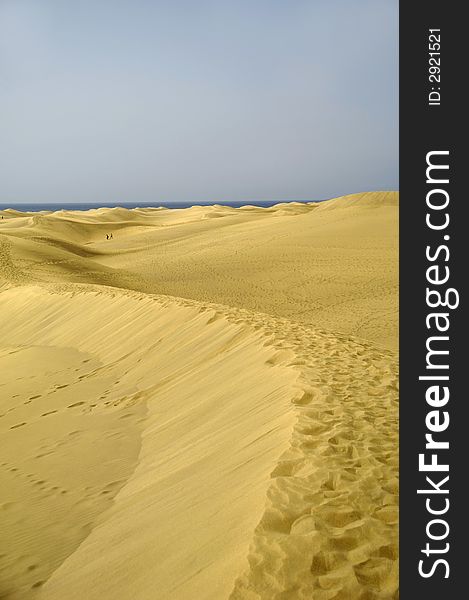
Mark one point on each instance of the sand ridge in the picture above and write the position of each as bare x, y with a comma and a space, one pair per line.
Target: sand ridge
257, 453
331, 265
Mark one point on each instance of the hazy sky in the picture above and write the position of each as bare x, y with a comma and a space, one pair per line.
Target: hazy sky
145, 100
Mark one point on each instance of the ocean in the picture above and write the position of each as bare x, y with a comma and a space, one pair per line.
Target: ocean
36, 207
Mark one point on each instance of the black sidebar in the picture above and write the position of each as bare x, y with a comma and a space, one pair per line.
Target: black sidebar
434, 259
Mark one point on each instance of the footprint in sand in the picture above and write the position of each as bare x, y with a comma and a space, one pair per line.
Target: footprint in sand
111, 486
303, 525
18, 425
37, 584
284, 469
312, 395
126, 416
44, 454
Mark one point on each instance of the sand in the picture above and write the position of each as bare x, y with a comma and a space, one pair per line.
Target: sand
203, 407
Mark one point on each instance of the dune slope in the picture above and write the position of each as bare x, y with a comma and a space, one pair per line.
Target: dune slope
205, 444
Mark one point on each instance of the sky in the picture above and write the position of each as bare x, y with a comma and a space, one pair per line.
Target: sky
183, 100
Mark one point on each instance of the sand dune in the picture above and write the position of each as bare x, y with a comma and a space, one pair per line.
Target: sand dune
331, 265
204, 406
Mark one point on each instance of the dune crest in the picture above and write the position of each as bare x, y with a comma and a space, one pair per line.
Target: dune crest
331, 265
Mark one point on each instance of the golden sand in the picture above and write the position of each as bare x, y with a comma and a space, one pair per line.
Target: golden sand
203, 407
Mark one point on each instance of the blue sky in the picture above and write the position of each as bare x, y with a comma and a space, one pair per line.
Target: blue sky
139, 100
